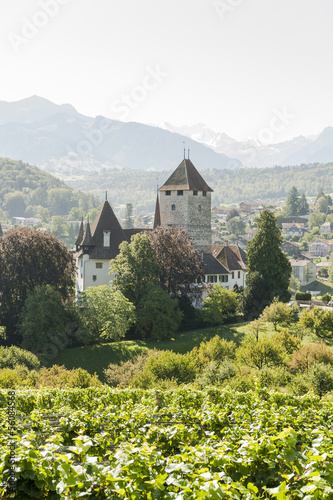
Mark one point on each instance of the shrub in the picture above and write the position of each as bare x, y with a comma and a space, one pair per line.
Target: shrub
13, 356
216, 349
170, 365
122, 374
277, 313
288, 341
265, 352
300, 384
219, 305
59, 376
243, 383
326, 298
302, 296
321, 377
311, 353
14, 377
215, 373
274, 377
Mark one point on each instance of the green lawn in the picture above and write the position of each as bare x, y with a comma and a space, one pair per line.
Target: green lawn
97, 357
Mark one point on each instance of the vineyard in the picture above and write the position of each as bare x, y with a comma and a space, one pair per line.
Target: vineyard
100, 443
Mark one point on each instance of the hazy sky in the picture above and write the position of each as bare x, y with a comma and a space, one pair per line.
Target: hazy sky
238, 66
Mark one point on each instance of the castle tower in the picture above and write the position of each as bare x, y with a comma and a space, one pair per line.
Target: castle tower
185, 201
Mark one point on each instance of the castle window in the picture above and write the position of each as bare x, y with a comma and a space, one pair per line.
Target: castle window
167, 193
94, 277
204, 193
232, 274
238, 274
173, 207
180, 192
106, 239
195, 193
99, 265
199, 208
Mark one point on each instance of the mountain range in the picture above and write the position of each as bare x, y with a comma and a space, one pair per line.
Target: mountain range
62, 141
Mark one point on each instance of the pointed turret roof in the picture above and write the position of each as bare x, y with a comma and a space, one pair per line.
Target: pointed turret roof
106, 221
157, 218
185, 177
88, 240
80, 236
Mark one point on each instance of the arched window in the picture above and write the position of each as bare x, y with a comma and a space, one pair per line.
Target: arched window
173, 207
199, 208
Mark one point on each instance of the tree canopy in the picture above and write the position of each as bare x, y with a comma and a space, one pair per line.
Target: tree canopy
30, 257
179, 261
269, 269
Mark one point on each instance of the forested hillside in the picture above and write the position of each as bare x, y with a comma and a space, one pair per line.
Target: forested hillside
26, 191
230, 186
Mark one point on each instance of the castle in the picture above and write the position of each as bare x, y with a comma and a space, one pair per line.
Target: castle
183, 201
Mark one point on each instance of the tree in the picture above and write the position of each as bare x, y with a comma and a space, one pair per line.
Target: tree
42, 319
231, 214
29, 257
158, 316
322, 205
316, 219
269, 269
135, 266
179, 261
319, 321
264, 352
236, 226
303, 207
219, 305
106, 314
277, 313
294, 284
291, 207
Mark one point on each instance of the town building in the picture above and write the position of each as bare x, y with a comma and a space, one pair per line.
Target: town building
320, 248
303, 270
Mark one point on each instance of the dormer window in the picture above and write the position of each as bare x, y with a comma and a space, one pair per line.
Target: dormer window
106, 239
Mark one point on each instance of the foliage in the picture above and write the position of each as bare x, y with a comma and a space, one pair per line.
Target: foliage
319, 321
236, 226
264, 352
135, 266
43, 318
180, 262
13, 356
274, 377
231, 214
167, 365
24, 186
219, 304
28, 258
216, 373
158, 315
277, 313
216, 350
309, 354
256, 327
128, 224
121, 375
288, 341
265, 257
316, 219
303, 296
107, 314
326, 298
294, 284
321, 377
292, 204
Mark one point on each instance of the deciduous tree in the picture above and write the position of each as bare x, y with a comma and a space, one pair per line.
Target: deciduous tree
219, 305
29, 257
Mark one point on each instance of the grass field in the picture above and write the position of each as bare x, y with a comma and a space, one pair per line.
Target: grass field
96, 358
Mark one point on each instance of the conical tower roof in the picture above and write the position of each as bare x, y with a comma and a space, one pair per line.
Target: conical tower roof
80, 236
157, 218
88, 240
185, 177
106, 221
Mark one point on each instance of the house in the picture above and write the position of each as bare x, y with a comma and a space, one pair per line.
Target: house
302, 221
230, 261
245, 207
96, 245
293, 229
326, 228
25, 221
320, 248
290, 248
303, 270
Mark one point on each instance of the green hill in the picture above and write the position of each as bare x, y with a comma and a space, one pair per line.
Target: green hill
27, 191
